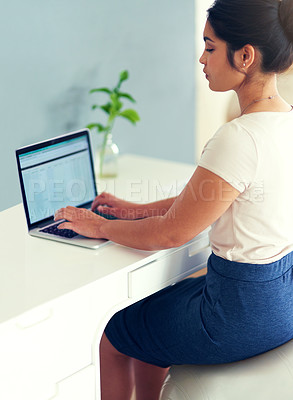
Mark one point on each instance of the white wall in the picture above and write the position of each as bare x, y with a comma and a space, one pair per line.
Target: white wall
53, 52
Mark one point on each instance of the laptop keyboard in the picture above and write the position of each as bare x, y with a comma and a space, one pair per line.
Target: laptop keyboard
68, 233
107, 216
53, 230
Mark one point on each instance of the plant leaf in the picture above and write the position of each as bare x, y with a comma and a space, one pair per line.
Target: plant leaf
107, 108
99, 127
106, 90
127, 96
131, 115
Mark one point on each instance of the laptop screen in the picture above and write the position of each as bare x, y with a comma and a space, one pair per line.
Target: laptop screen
55, 174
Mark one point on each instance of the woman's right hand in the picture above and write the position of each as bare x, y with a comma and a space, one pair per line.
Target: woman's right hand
109, 204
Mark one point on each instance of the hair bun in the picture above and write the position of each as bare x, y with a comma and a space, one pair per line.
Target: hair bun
286, 17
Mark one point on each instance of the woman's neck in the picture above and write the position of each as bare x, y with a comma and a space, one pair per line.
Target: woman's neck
260, 93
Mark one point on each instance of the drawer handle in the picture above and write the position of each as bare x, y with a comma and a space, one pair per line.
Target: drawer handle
29, 322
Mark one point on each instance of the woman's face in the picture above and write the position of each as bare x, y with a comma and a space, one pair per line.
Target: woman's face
221, 76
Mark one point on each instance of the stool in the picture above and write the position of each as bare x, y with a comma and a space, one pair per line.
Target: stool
268, 376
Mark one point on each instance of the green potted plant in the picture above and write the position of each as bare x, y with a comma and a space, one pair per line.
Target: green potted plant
108, 152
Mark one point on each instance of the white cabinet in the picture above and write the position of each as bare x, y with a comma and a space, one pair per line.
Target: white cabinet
80, 386
55, 299
44, 346
48, 352
169, 268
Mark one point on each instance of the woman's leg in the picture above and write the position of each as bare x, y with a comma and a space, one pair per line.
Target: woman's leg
148, 380
119, 371
117, 381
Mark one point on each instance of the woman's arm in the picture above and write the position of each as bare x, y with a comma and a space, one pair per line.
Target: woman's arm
109, 204
205, 198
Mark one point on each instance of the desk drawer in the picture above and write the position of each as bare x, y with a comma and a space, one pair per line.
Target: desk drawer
44, 346
79, 386
169, 269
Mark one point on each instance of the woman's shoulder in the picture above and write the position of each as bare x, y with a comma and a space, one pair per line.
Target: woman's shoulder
231, 154
251, 132
264, 121
234, 133
256, 125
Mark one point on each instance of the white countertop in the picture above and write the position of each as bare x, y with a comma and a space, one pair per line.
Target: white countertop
34, 271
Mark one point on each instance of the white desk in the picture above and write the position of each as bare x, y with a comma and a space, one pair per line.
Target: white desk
55, 299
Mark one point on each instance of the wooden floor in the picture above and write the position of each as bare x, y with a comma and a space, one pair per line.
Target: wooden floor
198, 273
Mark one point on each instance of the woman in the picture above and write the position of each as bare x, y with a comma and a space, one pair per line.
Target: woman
243, 188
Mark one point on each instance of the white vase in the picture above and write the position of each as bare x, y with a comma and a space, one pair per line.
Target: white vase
107, 159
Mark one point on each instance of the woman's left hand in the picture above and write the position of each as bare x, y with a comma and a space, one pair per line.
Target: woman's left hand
81, 221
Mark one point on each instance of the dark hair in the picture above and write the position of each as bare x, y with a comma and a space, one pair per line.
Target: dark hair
265, 24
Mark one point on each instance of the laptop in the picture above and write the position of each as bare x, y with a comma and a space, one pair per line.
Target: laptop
53, 174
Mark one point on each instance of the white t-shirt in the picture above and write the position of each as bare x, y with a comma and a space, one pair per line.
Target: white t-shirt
254, 153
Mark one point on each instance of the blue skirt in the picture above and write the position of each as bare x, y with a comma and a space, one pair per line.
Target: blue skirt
236, 311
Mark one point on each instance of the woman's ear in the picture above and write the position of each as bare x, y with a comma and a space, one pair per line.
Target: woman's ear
245, 57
